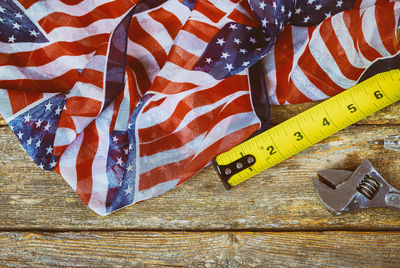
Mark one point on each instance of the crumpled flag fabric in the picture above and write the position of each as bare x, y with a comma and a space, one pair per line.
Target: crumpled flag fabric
127, 99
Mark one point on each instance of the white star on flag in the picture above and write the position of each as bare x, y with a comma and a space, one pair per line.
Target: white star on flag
233, 26
29, 141
11, 39
49, 149
18, 15
128, 190
38, 123
47, 127
48, 106
229, 67
225, 55
220, 41
27, 118
33, 33
119, 161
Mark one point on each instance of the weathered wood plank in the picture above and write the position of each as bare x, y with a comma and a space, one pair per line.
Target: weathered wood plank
204, 249
280, 198
388, 115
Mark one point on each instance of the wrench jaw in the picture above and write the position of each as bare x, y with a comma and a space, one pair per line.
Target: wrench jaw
324, 193
327, 186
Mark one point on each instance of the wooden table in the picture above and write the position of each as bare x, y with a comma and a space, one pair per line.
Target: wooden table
272, 219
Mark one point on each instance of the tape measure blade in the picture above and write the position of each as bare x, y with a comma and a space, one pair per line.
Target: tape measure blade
307, 128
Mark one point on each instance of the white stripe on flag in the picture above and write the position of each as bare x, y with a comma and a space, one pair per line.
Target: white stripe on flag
6, 109
346, 41
123, 112
147, 163
190, 43
41, 9
371, 32
97, 62
301, 81
147, 59
64, 136
157, 31
228, 126
270, 76
87, 90
177, 74
98, 197
180, 11
325, 60
47, 71
66, 33
67, 162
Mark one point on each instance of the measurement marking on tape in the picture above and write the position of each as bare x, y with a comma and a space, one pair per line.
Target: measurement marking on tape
309, 127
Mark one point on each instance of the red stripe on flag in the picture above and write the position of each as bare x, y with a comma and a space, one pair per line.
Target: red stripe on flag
71, 2
82, 106
92, 76
209, 10
28, 3
138, 35
47, 54
201, 30
316, 74
353, 21
117, 105
168, 140
84, 161
166, 86
182, 58
108, 10
21, 99
153, 104
337, 52
197, 99
162, 174
239, 17
134, 93
62, 83
168, 20
138, 69
295, 95
385, 20
283, 63
66, 121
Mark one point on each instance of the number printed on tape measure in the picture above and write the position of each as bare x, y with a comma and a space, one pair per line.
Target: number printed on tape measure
309, 127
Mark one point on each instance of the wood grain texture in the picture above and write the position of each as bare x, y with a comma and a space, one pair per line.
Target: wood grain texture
281, 198
388, 115
201, 249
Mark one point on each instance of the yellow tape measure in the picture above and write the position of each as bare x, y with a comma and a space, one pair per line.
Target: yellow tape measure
307, 128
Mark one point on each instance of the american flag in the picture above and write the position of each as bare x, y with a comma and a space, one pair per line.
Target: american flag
127, 99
